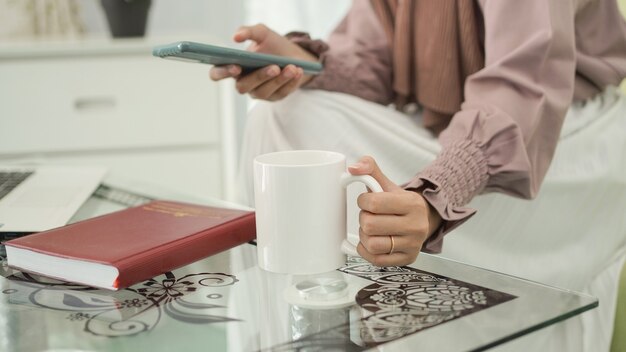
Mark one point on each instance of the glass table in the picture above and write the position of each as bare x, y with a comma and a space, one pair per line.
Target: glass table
226, 303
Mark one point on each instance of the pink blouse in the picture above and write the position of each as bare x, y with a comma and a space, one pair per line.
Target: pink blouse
540, 55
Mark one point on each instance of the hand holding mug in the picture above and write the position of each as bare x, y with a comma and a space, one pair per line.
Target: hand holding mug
394, 224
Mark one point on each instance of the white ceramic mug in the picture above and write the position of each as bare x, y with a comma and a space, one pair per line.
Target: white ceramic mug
300, 201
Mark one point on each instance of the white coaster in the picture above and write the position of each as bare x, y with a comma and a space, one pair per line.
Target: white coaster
321, 293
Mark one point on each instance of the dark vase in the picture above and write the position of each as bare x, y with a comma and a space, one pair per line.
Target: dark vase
127, 18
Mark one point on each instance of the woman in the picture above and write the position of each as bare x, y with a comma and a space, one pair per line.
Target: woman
499, 83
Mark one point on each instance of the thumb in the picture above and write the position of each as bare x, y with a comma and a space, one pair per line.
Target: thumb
256, 33
367, 166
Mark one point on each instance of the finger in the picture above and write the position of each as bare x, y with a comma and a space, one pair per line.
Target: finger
377, 225
217, 73
381, 244
393, 259
257, 33
375, 244
252, 80
267, 89
399, 203
289, 87
367, 166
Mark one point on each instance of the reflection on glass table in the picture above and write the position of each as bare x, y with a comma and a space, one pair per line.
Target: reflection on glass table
226, 303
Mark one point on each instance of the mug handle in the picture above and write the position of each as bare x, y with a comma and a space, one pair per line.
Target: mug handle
346, 246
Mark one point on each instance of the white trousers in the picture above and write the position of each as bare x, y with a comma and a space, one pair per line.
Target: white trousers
573, 235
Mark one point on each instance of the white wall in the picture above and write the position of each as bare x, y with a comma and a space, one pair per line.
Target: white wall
221, 18
318, 17
216, 18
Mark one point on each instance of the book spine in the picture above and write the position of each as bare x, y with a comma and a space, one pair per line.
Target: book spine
199, 246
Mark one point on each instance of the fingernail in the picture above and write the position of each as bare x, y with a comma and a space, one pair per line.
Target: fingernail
272, 71
356, 166
288, 73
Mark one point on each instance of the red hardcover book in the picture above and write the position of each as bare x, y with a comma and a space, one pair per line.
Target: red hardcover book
117, 250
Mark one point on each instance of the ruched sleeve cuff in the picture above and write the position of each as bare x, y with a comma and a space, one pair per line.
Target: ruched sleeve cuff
450, 182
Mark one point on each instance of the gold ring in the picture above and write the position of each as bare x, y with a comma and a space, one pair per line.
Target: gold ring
392, 244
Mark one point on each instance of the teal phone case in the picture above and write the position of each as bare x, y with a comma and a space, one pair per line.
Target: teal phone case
216, 55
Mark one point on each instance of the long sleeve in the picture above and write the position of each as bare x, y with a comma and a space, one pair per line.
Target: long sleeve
506, 132
357, 59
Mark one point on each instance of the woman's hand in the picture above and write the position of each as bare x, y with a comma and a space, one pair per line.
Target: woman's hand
393, 224
270, 82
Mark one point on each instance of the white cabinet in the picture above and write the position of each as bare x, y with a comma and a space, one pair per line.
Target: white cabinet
110, 102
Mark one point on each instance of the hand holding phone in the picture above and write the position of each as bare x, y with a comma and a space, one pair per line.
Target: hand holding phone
271, 82
220, 56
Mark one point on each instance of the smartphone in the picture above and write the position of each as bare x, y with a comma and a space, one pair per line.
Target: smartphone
216, 55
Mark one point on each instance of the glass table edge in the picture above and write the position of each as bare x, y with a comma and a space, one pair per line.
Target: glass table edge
537, 327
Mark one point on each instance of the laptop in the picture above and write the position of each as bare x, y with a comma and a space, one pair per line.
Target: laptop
39, 198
